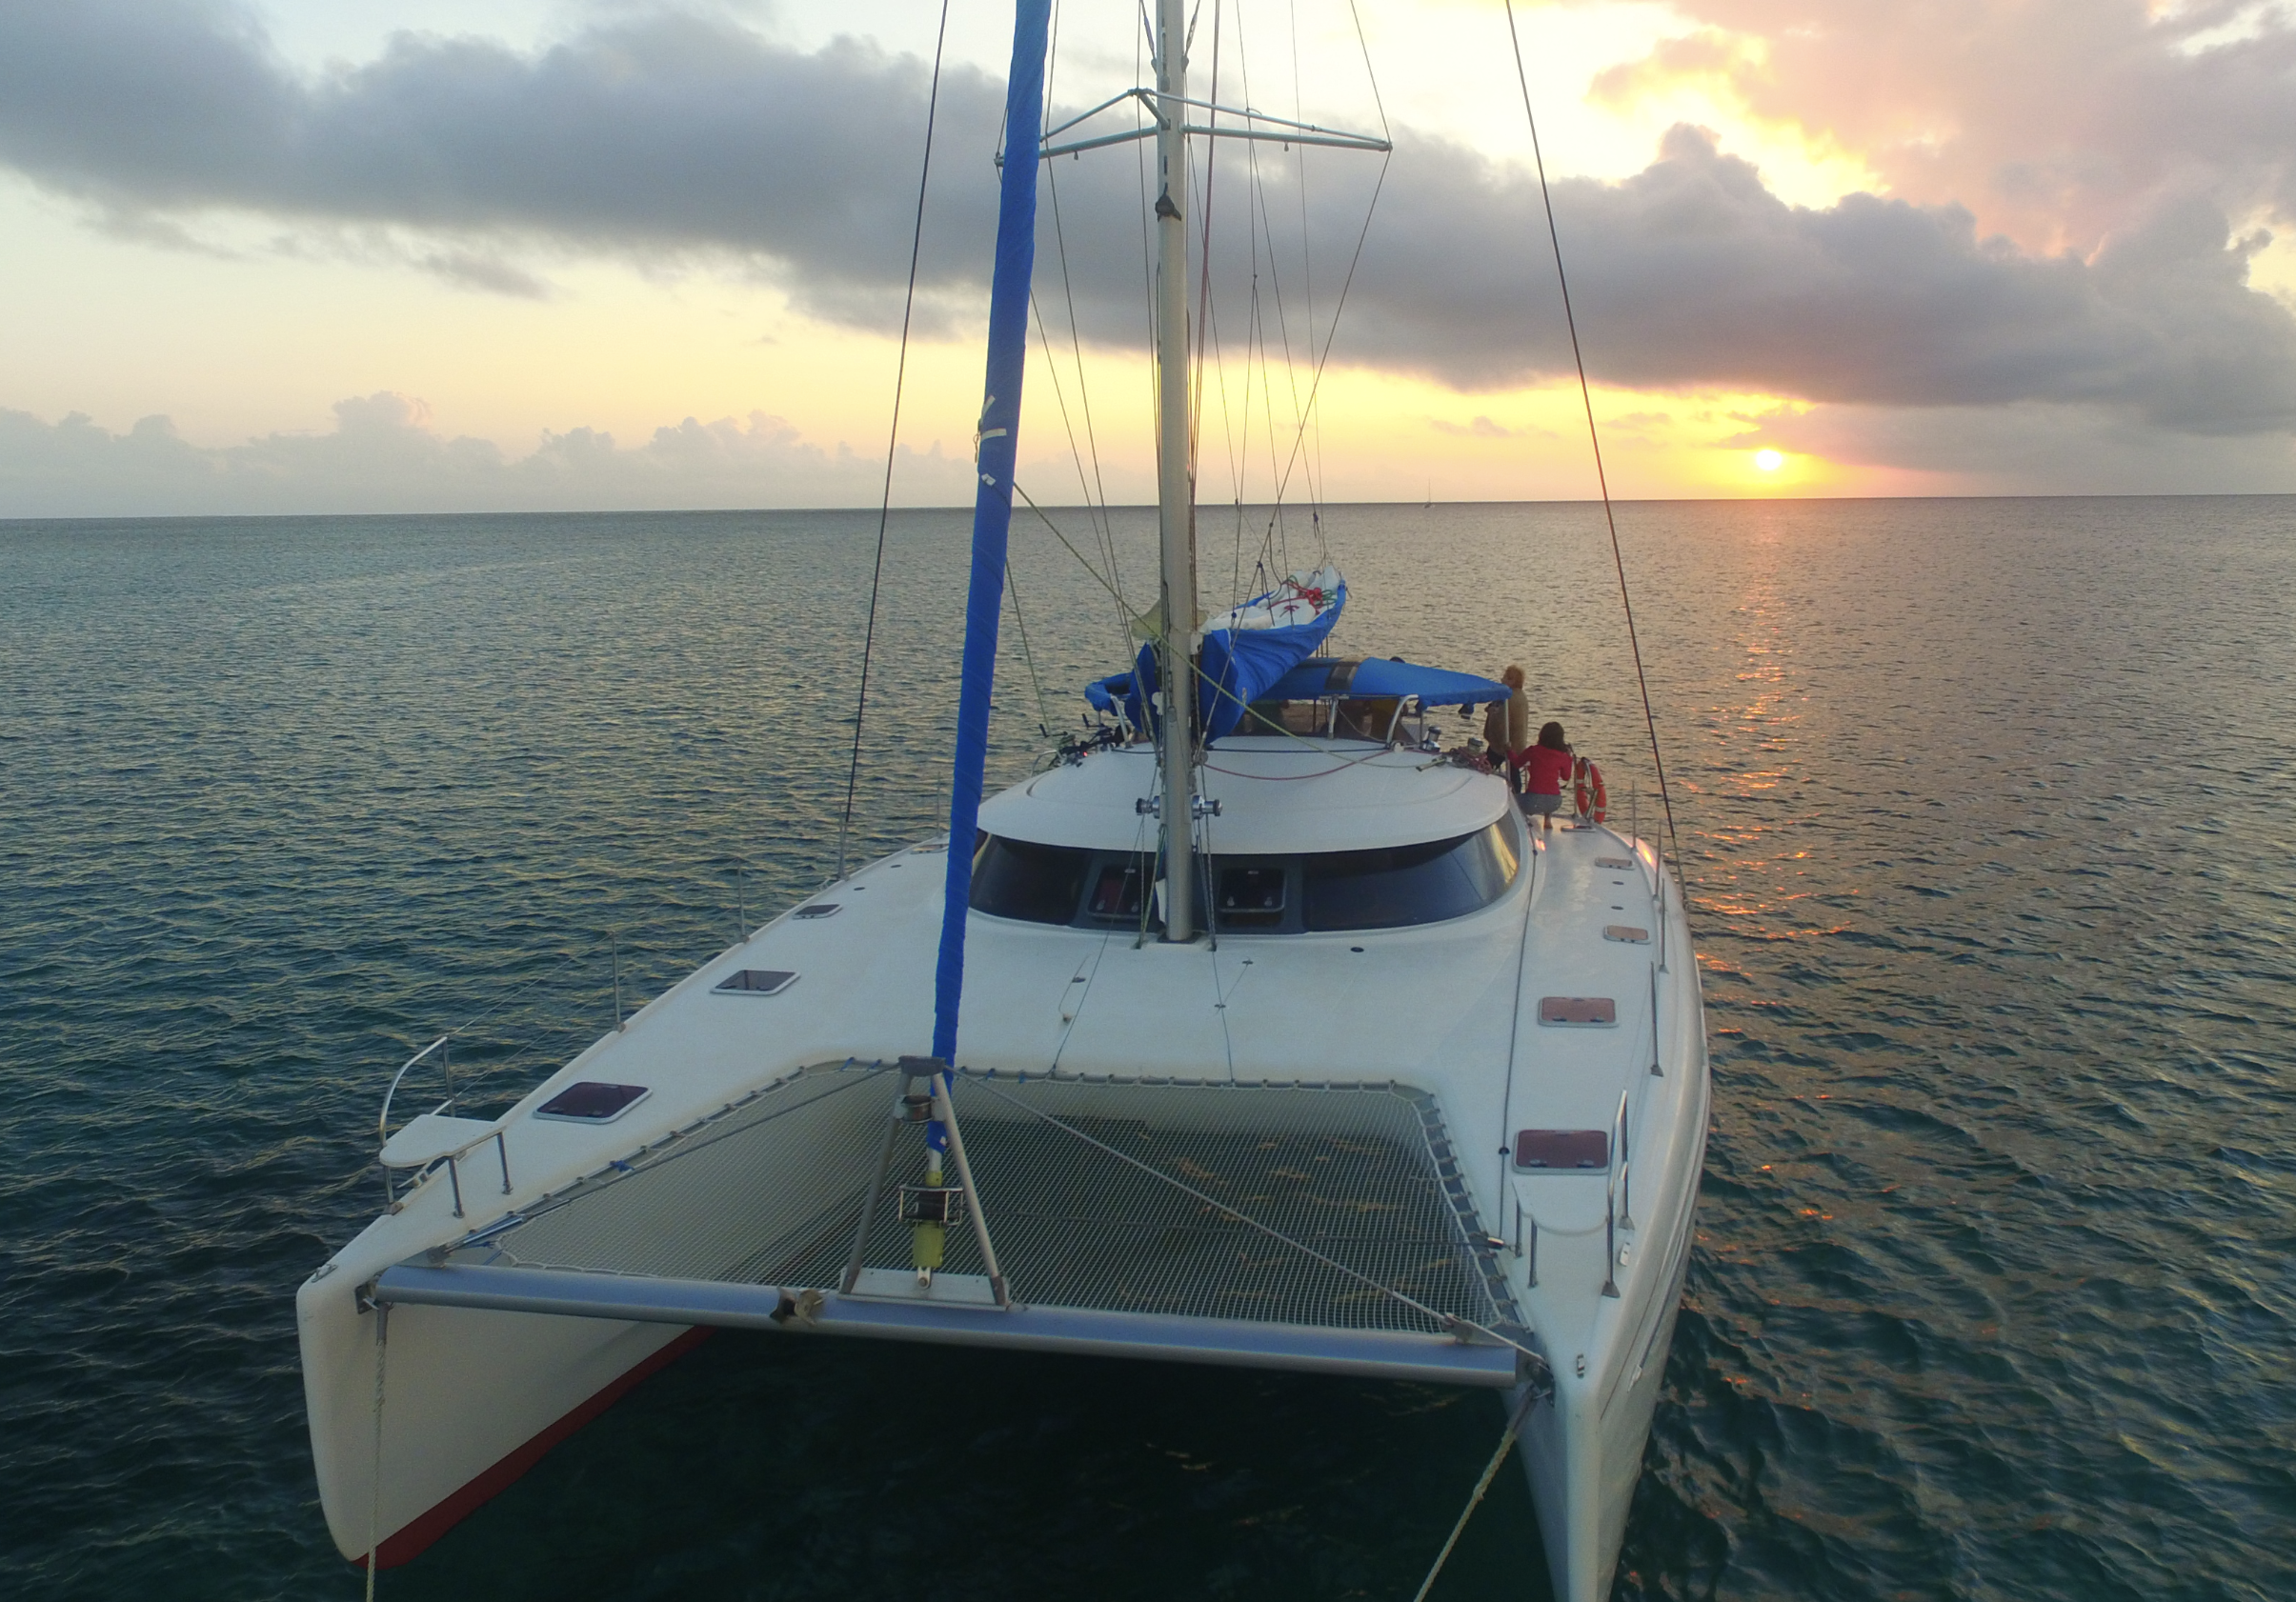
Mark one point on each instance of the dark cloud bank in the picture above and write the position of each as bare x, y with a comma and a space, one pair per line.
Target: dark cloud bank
678, 136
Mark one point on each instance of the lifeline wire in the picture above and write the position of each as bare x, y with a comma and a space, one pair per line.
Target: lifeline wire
877, 575
1586, 397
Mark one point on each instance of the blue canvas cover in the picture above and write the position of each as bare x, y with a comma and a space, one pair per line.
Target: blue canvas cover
1248, 649
1312, 680
1434, 687
1245, 650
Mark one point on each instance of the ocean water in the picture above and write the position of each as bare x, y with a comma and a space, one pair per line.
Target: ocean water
1987, 817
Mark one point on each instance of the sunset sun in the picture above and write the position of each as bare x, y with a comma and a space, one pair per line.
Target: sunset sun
1768, 461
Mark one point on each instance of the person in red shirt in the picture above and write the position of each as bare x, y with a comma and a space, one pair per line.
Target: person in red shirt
1546, 770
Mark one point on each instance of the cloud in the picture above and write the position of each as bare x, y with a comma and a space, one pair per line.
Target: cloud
1481, 428
663, 136
1691, 273
2028, 449
664, 133
485, 273
384, 455
2057, 122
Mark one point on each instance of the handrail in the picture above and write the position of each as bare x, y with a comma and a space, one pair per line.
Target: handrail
1625, 1167
382, 1122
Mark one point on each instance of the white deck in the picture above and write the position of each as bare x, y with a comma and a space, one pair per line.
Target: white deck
1451, 1009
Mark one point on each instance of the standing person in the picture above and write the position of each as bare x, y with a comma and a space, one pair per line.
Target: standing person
1548, 766
1506, 727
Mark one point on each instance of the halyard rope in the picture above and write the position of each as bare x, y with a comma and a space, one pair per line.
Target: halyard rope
900, 377
1586, 398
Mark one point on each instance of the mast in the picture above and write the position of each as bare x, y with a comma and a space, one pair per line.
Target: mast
1176, 490
992, 497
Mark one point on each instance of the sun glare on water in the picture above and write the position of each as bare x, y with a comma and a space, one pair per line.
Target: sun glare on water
1768, 461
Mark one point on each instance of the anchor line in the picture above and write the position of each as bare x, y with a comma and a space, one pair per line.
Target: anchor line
1490, 1472
1595, 438
1449, 1321
900, 376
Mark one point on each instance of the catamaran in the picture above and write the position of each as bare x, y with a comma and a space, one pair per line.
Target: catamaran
1260, 1032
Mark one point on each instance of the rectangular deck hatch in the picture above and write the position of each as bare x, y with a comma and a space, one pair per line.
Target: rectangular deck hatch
1578, 1011
592, 1101
757, 981
1538, 1149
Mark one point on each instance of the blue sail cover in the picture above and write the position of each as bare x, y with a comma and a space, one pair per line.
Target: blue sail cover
1249, 648
1245, 652
992, 496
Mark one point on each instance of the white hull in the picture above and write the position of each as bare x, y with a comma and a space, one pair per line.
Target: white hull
470, 1397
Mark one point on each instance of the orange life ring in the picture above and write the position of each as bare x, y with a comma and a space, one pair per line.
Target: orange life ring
1592, 800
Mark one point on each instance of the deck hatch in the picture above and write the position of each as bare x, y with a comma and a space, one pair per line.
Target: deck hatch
770, 1193
757, 981
1538, 1149
1627, 933
592, 1101
1578, 1011
820, 909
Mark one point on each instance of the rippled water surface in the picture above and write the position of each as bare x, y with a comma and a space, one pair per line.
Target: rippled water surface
1989, 820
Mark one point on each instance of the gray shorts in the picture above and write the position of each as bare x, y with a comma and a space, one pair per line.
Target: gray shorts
1541, 806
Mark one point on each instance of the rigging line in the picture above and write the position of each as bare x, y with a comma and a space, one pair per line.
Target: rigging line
1363, 43
1096, 506
1203, 264
1207, 322
1323, 359
1595, 438
1490, 1472
1307, 271
900, 376
1075, 338
1446, 1320
1267, 226
1115, 588
1139, 153
1028, 656
1081, 560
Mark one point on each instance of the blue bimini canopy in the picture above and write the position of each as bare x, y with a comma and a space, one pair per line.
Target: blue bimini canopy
1434, 687
1313, 680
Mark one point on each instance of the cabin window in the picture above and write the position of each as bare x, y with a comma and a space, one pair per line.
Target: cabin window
1392, 888
1035, 884
1399, 886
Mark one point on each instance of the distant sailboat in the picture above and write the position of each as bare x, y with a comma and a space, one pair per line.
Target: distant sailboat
1258, 1029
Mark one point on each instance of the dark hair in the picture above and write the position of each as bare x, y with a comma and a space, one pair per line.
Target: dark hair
1551, 737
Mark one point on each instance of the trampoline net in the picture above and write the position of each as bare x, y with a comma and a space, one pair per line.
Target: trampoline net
1067, 1172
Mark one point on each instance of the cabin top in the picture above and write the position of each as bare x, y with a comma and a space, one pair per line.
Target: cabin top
1276, 794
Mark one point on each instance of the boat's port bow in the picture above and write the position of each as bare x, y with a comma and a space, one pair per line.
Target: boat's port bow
1323, 1227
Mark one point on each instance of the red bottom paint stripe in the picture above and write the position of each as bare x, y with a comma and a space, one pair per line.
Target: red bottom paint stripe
414, 1537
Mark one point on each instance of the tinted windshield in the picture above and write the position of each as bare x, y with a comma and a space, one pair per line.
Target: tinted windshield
1398, 885
1019, 879
1395, 887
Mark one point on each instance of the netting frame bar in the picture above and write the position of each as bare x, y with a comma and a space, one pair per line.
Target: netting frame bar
1388, 1354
